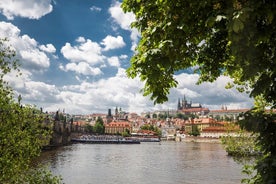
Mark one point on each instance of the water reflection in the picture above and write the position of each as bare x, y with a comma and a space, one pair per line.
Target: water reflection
147, 163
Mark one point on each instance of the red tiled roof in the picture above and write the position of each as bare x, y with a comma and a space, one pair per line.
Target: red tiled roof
118, 124
79, 123
214, 129
148, 132
195, 110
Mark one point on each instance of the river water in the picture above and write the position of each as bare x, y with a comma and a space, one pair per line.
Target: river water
167, 162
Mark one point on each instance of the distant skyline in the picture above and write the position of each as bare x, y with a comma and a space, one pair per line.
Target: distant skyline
74, 55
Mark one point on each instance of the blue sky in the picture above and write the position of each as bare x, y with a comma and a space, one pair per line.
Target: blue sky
74, 54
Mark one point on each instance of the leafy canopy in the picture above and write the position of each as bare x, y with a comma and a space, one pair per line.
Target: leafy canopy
22, 133
233, 38
99, 126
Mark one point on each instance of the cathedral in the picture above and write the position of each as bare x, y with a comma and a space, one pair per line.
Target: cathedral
184, 104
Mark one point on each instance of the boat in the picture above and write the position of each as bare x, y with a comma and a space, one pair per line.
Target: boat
145, 139
103, 140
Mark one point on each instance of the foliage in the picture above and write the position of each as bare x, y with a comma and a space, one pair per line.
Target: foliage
263, 124
241, 145
260, 143
88, 128
182, 116
162, 116
195, 131
42, 175
22, 133
126, 133
151, 128
99, 126
147, 116
233, 38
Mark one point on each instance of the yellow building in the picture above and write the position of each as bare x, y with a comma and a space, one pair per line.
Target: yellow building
116, 127
201, 124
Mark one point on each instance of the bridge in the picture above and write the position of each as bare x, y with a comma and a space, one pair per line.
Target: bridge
63, 132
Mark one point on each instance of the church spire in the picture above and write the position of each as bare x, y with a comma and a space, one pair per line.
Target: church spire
179, 104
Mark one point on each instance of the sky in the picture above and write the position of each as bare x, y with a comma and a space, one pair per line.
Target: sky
74, 54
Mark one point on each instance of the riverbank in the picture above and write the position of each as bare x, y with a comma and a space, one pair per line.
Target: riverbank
201, 139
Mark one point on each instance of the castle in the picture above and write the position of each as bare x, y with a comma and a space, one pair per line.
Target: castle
183, 104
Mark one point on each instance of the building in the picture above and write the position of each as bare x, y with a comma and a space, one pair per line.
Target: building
168, 132
187, 108
120, 115
201, 123
226, 114
218, 131
196, 111
117, 127
184, 104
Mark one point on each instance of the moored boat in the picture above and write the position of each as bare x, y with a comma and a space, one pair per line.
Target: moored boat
103, 140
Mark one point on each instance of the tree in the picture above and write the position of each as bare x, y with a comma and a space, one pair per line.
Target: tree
22, 133
182, 116
99, 126
126, 133
195, 131
151, 128
161, 116
147, 116
241, 146
88, 128
233, 38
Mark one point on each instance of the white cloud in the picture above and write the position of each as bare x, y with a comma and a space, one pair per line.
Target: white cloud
111, 42
212, 95
121, 91
124, 20
32, 9
121, 18
40, 91
33, 92
108, 93
50, 48
80, 39
82, 68
123, 56
36, 57
114, 61
27, 48
85, 51
18, 82
95, 8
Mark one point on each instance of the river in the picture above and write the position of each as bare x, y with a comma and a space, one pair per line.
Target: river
167, 162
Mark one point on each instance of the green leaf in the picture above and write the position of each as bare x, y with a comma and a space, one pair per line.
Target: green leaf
237, 25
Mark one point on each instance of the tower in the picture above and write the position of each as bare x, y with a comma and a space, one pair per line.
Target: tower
179, 105
184, 103
116, 111
109, 116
